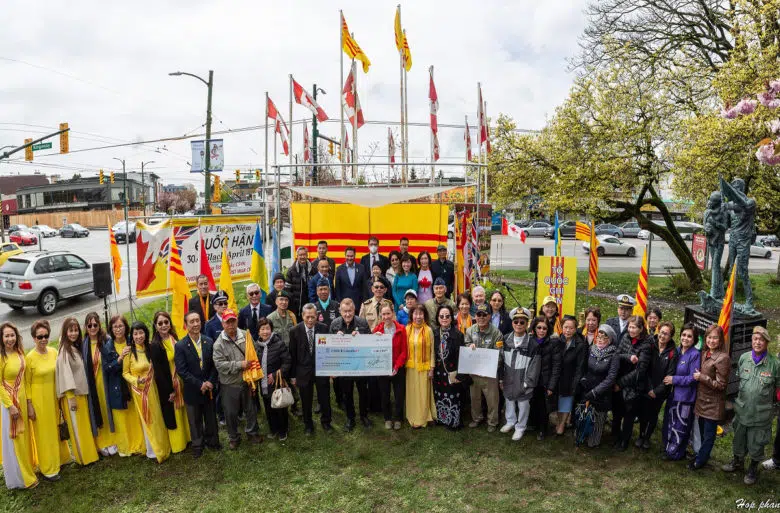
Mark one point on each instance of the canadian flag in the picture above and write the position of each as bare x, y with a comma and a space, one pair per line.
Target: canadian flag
305, 99
306, 151
467, 138
351, 101
434, 98
512, 230
391, 147
281, 126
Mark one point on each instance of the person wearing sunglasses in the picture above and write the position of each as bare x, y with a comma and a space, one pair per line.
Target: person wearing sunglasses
103, 429
162, 352
438, 300
550, 355
220, 304
370, 310
254, 311
484, 335
519, 373
42, 409
448, 385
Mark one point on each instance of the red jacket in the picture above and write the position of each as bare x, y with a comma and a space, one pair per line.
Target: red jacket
400, 353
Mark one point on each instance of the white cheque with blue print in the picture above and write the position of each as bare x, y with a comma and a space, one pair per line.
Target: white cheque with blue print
479, 362
354, 356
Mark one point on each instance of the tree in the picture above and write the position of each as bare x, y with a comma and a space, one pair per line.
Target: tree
603, 153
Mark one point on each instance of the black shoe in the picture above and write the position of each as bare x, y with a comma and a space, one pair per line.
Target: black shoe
366, 422
283, 437
646, 444
752, 473
694, 466
622, 446
349, 426
327, 427
639, 442
51, 479
540, 436
197, 453
308, 431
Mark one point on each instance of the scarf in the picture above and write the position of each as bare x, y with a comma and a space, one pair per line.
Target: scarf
600, 354
325, 304
757, 357
204, 307
96, 414
540, 341
70, 375
420, 346
178, 394
17, 425
143, 391
264, 366
463, 323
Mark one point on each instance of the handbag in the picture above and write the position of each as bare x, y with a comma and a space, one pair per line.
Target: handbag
63, 427
282, 396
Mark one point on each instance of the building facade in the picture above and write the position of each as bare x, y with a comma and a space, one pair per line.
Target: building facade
80, 194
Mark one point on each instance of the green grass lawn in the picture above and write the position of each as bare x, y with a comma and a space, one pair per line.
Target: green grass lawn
410, 470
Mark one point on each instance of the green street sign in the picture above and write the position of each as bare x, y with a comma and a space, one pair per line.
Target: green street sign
42, 146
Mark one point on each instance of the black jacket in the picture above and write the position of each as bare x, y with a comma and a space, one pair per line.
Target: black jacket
303, 359
614, 323
358, 324
194, 306
245, 318
190, 370
633, 378
164, 382
550, 352
573, 364
345, 289
504, 324
600, 374
662, 365
298, 282
445, 271
450, 362
329, 314
384, 262
278, 358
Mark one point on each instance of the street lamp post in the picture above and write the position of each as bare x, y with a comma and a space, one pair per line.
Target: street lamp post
207, 172
143, 186
127, 232
315, 133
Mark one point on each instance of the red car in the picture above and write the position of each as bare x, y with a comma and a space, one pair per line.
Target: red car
23, 238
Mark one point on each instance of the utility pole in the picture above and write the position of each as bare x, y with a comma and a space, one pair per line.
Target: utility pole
124, 193
143, 186
314, 135
207, 188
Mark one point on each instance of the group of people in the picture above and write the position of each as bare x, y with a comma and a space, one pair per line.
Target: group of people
127, 390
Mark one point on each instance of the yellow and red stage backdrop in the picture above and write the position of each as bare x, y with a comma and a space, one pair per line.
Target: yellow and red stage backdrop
558, 278
343, 225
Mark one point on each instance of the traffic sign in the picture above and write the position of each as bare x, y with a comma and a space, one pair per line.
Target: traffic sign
42, 146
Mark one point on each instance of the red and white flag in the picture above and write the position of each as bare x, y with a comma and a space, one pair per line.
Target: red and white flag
511, 230
434, 99
467, 138
483, 126
345, 153
351, 101
391, 147
304, 98
306, 149
281, 126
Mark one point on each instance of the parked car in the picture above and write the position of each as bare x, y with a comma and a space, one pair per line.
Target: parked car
758, 249
121, 230
609, 229
630, 229
687, 229
567, 229
9, 249
771, 241
645, 235
45, 231
18, 228
23, 238
73, 230
537, 229
44, 278
609, 245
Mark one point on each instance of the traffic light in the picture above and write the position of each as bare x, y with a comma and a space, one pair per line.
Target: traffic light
112, 177
330, 147
217, 190
102, 178
28, 154
257, 175
64, 143
238, 176
339, 154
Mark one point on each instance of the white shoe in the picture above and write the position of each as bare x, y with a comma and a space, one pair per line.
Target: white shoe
518, 435
769, 464
507, 428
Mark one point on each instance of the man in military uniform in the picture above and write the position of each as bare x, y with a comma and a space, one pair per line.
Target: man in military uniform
625, 308
327, 309
370, 310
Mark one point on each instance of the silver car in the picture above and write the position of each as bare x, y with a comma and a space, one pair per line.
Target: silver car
43, 278
537, 229
630, 229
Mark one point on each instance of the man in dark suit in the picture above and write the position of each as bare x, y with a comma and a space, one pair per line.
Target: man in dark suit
444, 269
323, 271
403, 247
202, 302
367, 261
253, 312
302, 351
350, 278
322, 254
193, 356
620, 323
298, 280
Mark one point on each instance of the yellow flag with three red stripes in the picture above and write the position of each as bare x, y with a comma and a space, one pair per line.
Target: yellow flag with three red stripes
640, 308
724, 319
179, 288
593, 259
116, 259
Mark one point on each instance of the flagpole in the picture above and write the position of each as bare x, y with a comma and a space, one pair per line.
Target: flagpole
433, 165
487, 137
401, 103
265, 172
341, 86
355, 124
479, 148
406, 111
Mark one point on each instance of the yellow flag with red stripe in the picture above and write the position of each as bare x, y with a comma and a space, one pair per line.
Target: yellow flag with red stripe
401, 42
640, 308
351, 48
582, 232
593, 259
724, 319
116, 259
179, 288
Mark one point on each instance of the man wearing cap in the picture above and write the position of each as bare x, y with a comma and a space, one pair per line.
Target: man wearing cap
410, 301
373, 256
282, 319
201, 303
444, 269
759, 386
323, 271
549, 311
214, 325
230, 360
484, 335
439, 299
327, 308
254, 311
519, 373
277, 284
370, 310
619, 324
348, 323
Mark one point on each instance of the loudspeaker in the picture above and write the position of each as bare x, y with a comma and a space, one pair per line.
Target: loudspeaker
101, 275
535, 253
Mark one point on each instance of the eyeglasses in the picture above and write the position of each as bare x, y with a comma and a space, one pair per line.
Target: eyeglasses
254, 293
541, 327
519, 321
379, 287
481, 314
92, 325
41, 337
445, 316
163, 322
220, 303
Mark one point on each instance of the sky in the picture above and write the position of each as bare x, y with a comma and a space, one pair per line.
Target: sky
103, 68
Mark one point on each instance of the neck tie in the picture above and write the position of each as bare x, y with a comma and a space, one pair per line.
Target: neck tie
254, 316
310, 336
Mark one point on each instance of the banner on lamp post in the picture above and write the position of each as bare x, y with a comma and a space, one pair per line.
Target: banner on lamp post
216, 156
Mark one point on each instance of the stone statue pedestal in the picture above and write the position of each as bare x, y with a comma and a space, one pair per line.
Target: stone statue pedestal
740, 337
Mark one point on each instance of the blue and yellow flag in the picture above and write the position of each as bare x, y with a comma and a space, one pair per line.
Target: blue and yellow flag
257, 270
557, 236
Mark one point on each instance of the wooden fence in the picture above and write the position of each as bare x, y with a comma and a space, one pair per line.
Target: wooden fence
88, 219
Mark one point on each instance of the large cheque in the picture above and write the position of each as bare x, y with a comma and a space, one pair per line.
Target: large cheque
480, 362
348, 356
